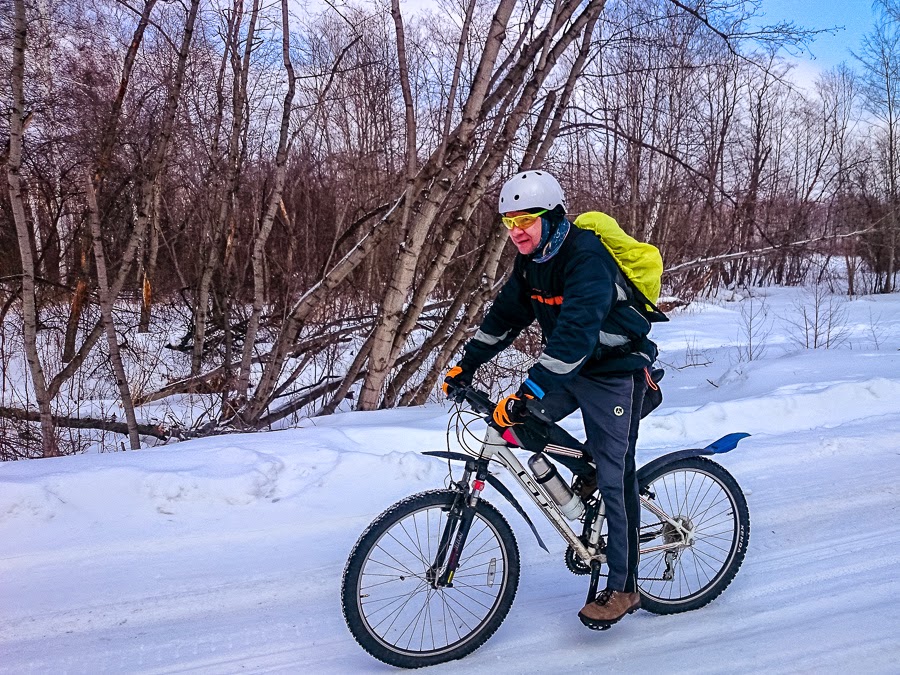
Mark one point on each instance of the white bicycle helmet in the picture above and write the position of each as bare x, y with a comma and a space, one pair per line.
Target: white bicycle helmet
531, 190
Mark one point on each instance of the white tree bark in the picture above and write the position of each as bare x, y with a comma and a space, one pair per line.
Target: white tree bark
106, 314
24, 235
268, 219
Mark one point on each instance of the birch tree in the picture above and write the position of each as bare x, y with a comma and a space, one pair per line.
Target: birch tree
880, 57
17, 117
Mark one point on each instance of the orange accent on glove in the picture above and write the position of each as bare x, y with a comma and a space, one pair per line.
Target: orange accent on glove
503, 409
451, 374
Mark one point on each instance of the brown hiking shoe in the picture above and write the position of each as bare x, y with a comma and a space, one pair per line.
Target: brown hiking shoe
609, 607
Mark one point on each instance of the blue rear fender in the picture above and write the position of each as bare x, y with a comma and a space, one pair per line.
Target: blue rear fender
717, 447
724, 444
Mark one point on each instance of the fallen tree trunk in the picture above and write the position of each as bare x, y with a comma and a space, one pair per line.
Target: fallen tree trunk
759, 252
156, 431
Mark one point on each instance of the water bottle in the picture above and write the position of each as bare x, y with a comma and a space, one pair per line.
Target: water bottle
546, 474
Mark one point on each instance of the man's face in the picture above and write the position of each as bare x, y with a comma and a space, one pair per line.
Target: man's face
526, 239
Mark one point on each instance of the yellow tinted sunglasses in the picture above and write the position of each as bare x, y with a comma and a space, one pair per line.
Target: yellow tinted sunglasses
524, 221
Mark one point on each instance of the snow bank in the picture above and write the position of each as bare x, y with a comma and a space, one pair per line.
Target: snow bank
225, 554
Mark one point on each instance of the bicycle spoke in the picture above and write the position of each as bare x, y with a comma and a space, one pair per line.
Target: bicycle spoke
473, 587
702, 499
698, 501
392, 557
415, 621
461, 605
446, 621
709, 556
373, 601
477, 553
405, 569
459, 590
409, 617
392, 580
709, 543
405, 548
398, 610
453, 612
690, 509
702, 517
419, 540
699, 567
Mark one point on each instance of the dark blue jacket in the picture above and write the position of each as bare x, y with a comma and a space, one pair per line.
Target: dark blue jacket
586, 311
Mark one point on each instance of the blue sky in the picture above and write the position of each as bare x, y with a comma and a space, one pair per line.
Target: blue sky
856, 16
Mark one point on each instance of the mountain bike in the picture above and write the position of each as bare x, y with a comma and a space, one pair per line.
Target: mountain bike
434, 576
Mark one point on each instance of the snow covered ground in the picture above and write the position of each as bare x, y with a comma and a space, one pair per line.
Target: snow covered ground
225, 555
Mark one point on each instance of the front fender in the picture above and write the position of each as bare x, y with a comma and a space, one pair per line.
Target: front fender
722, 445
446, 454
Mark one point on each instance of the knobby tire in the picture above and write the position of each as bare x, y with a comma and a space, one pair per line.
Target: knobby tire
683, 489
369, 560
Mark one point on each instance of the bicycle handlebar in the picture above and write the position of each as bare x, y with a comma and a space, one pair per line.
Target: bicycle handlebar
482, 403
478, 400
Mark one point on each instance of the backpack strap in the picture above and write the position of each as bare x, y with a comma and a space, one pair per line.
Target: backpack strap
654, 314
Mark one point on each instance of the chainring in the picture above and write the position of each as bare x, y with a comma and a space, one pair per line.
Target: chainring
575, 564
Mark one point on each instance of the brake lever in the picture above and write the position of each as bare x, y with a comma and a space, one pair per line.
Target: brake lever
457, 394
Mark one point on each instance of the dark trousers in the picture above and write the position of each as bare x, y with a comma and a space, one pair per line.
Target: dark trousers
611, 407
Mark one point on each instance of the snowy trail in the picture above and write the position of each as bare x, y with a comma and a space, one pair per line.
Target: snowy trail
262, 596
224, 555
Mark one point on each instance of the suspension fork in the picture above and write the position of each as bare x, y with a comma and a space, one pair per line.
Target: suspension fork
462, 513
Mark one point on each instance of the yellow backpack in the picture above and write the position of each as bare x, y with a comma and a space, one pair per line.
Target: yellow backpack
640, 262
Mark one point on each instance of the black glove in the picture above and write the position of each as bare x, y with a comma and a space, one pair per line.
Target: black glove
456, 382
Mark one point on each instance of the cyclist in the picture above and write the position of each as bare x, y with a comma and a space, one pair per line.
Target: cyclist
595, 357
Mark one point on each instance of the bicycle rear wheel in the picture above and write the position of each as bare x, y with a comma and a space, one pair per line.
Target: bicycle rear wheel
706, 501
390, 602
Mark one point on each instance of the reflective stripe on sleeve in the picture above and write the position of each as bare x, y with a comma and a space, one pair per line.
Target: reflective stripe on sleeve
612, 340
489, 339
559, 367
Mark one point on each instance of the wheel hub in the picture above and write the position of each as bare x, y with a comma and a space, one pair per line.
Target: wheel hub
675, 535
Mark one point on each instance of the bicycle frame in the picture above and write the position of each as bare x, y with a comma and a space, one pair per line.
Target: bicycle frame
496, 448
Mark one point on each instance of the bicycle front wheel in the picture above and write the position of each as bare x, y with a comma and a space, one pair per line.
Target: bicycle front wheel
392, 605
691, 555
